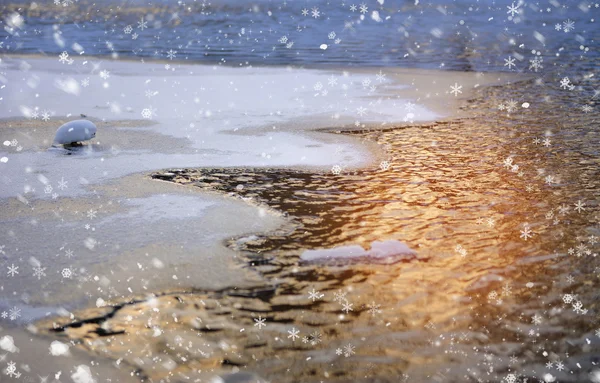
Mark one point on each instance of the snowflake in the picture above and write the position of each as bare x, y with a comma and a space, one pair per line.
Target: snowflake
565, 83
63, 57
513, 9
509, 62
347, 307
85, 82
39, 272
171, 54
293, 334
66, 273
315, 338
456, 89
579, 206
380, 76
62, 184
13, 270
338, 351
586, 108
546, 142
48, 189
69, 253
45, 115
353, 8
510, 378
349, 350
526, 233
536, 319
91, 214
283, 39
560, 366
2, 249
363, 8
336, 169
11, 370
339, 296
14, 313
511, 105
314, 295
315, 12
568, 25
563, 209
128, 29
147, 113
578, 307
374, 308
331, 35
598, 333
305, 12
361, 111
384, 165
260, 322
104, 74
142, 24
536, 63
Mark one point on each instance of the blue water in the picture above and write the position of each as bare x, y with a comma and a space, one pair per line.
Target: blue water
455, 35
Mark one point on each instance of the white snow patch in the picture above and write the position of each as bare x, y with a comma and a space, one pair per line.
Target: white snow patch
7, 343
58, 348
83, 374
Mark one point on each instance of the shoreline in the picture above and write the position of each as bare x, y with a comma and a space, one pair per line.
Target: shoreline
132, 182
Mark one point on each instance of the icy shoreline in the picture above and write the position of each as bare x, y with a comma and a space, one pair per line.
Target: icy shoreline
101, 232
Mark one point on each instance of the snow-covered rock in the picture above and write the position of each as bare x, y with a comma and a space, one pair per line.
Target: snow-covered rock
75, 131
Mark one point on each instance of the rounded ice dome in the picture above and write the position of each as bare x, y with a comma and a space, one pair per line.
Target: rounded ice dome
75, 131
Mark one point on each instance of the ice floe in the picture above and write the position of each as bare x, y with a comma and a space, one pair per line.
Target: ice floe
390, 251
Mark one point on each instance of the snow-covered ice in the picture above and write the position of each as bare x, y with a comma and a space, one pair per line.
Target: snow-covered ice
380, 250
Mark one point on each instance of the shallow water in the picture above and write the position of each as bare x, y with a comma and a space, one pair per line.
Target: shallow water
504, 286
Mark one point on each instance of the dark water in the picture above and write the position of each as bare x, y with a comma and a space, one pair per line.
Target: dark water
456, 35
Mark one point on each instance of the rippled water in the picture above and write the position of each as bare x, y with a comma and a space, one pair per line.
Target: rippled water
456, 35
505, 285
